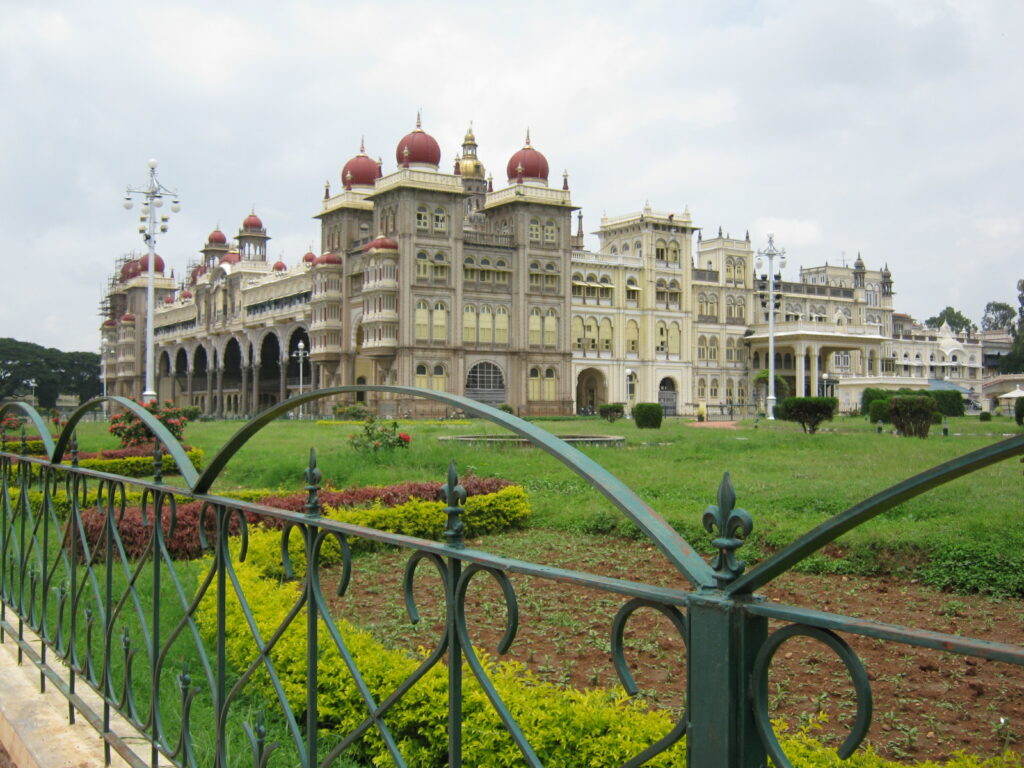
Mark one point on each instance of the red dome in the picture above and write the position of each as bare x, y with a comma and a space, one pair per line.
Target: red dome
252, 222
309, 258
144, 265
168, 299
109, 323
327, 258
231, 257
217, 238
128, 318
360, 171
186, 294
422, 149
198, 272
381, 244
533, 164
279, 266
130, 270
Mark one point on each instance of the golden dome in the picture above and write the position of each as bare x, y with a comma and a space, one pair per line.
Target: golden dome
471, 168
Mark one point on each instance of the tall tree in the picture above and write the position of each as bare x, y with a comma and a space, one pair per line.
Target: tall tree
999, 316
27, 368
952, 317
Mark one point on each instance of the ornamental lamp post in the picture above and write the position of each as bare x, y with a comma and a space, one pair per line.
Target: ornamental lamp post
153, 197
771, 253
300, 354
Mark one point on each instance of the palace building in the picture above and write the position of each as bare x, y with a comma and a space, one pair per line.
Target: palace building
451, 281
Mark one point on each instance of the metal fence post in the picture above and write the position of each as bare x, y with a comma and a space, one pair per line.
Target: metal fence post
723, 643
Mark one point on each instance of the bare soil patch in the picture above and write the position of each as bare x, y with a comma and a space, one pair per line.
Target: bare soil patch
927, 704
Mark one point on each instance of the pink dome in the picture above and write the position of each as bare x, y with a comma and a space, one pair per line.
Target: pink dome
381, 244
217, 238
418, 148
231, 257
252, 223
128, 318
168, 299
109, 323
279, 266
528, 163
130, 270
198, 272
186, 294
309, 258
327, 258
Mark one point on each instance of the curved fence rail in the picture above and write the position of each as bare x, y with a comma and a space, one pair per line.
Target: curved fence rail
218, 663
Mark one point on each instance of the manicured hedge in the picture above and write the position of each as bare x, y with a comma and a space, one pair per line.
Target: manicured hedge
648, 415
808, 412
912, 416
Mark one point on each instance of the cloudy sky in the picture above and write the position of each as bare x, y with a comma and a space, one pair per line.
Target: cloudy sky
893, 129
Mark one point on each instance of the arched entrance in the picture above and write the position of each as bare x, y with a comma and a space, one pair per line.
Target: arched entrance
486, 383
269, 384
668, 397
591, 391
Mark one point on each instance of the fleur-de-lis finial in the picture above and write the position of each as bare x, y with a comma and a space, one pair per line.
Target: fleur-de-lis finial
733, 526
454, 496
313, 478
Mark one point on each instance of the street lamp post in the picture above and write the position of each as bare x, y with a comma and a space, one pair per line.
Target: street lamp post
153, 197
771, 253
300, 354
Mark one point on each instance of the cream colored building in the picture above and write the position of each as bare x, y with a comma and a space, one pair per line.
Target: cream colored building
443, 280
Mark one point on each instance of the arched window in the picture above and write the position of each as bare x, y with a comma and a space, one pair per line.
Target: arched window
439, 326
485, 325
440, 379
730, 349
673, 252
440, 220
674, 339
551, 327
604, 335
421, 376
702, 348
713, 306
550, 384
661, 337
713, 348
632, 290
741, 390
485, 382
549, 232
422, 266
632, 337
577, 333
714, 389
661, 251
422, 322
501, 325
534, 231
702, 304
422, 218
533, 384
702, 388
535, 324
469, 324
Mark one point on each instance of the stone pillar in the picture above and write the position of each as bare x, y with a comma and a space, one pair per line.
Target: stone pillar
801, 353
220, 393
255, 387
209, 409
282, 391
815, 374
243, 392
188, 386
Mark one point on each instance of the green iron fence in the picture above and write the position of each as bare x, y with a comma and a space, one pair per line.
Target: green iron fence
108, 617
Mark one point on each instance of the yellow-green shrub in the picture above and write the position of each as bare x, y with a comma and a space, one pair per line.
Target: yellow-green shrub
566, 727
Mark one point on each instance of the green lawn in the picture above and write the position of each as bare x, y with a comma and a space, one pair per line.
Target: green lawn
787, 480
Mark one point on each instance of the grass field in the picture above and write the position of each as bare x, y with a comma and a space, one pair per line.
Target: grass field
787, 480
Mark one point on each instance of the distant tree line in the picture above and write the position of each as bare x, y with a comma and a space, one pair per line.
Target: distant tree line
998, 316
26, 368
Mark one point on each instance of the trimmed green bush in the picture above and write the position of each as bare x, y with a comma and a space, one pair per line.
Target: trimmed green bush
878, 411
808, 412
986, 415
1018, 411
912, 415
611, 411
648, 415
949, 402
506, 408
350, 411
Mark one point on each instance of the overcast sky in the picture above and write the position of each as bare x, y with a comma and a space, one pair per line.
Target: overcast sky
893, 129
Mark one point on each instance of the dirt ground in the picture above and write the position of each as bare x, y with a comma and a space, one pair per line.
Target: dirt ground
927, 704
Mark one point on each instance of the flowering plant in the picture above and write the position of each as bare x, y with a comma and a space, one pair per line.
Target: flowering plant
10, 422
131, 431
377, 436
